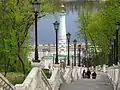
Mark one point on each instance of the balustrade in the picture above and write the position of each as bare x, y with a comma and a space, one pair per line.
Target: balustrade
56, 79
113, 73
36, 80
5, 84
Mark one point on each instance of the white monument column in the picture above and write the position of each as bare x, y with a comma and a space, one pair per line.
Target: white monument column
62, 33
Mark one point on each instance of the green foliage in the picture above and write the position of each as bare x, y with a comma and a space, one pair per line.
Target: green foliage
15, 78
16, 19
46, 71
99, 26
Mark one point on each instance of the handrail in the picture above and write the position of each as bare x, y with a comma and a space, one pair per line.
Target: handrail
61, 75
5, 82
46, 80
67, 76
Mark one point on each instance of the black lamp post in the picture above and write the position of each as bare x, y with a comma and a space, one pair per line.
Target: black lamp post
36, 6
110, 56
68, 38
79, 51
116, 44
56, 27
75, 42
112, 52
114, 48
72, 61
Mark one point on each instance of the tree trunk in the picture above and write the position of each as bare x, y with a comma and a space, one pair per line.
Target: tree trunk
19, 54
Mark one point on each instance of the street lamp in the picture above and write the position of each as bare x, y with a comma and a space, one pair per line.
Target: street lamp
72, 61
75, 42
110, 56
79, 51
112, 51
36, 6
68, 38
116, 48
56, 27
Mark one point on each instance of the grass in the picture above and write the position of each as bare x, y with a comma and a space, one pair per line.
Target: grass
18, 78
46, 71
15, 78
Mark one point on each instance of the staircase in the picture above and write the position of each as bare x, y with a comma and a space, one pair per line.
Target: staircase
5, 84
66, 79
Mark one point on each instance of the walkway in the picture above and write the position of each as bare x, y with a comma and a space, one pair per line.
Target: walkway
101, 83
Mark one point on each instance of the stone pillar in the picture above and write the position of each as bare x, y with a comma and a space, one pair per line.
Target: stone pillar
35, 64
104, 68
62, 33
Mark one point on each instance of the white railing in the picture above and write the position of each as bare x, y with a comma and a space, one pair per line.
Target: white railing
5, 84
56, 79
113, 73
68, 75
36, 80
44, 78
74, 73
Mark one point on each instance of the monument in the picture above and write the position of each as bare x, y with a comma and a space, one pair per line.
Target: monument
62, 32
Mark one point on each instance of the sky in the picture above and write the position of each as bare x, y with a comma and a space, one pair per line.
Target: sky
46, 33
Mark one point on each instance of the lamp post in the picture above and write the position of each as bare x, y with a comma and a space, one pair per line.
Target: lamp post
75, 42
56, 27
68, 38
36, 6
116, 48
109, 56
72, 61
79, 51
112, 51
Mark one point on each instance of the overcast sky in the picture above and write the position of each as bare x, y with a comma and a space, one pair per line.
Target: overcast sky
46, 32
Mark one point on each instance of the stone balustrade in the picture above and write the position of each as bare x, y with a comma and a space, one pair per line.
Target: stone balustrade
113, 73
56, 79
77, 72
74, 73
36, 80
5, 84
68, 74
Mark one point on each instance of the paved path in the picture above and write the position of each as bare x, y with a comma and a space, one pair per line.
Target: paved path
101, 83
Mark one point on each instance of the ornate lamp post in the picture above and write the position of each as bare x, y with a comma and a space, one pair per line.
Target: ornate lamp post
72, 61
68, 38
116, 48
75, 42
109, 56
56, 27
112, 51
79, 51
36, 6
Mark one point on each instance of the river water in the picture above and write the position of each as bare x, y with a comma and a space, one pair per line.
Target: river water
46, 33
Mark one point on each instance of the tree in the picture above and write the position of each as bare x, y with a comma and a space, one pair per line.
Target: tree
16, 19
100, 26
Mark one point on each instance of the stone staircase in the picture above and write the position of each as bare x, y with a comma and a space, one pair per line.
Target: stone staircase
37, 80
5, 84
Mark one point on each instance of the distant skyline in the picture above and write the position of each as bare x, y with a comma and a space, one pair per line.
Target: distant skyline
46, 33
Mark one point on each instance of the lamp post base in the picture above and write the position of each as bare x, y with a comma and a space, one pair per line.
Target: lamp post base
35, 64
36, 61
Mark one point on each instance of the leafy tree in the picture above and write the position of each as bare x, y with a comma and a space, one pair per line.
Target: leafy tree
99, 26
16, 19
